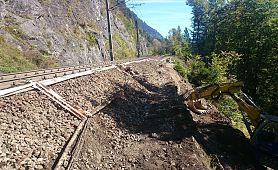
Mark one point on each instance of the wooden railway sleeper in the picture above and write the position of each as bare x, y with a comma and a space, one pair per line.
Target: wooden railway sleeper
76, 111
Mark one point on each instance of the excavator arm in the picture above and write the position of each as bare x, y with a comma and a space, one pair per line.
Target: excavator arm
252, 111
214, 91
264, 138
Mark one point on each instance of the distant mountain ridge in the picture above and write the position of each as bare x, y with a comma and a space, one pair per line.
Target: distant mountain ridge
151, 32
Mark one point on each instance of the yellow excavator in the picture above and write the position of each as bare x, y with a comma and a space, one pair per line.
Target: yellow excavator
264, 134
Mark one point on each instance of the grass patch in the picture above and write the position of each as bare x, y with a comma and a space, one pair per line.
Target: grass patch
122, 50
14, 60
227, 106
14, 31
180, 68
91, 38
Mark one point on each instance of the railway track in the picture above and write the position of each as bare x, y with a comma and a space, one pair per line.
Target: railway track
20, 78
71, 115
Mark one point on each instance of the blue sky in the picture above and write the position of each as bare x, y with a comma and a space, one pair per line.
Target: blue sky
163, 15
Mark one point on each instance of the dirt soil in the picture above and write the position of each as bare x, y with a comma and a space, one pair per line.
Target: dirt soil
147, 126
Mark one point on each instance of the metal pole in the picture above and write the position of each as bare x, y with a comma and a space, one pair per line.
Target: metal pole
138, 41
109, 31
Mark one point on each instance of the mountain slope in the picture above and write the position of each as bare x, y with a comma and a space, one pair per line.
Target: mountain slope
46, 33
151, 32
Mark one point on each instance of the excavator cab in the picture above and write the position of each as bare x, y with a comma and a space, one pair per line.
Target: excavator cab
265, 141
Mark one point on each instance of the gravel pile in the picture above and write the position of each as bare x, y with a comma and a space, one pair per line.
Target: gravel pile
153, 74
33, 131
143, 128
109, 147
146, 126
90, 91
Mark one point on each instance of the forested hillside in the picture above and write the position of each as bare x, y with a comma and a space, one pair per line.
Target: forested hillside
231, 40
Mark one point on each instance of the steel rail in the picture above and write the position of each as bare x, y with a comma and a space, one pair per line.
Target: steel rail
44, 74
19, 79
16, 79
39, 70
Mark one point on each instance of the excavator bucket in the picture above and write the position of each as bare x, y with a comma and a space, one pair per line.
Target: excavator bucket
213, 91
197, 107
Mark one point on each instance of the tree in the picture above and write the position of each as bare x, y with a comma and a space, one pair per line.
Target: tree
179, 43
186, 34
248, 27
199, 23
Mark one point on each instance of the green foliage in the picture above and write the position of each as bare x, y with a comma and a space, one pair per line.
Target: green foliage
14, 60
228, 107
200, 73
180, 68
9, 19
176, 44
121, 48
49, 44
224, 65
91, 38
179, 44
199, 24
14, 31
217, 68
248, 27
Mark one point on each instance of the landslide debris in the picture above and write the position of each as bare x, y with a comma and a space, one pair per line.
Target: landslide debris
33, 131
146, 125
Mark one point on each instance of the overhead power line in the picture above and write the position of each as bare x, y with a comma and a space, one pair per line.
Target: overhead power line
120, 4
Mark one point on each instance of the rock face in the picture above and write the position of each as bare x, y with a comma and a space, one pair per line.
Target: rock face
73, 31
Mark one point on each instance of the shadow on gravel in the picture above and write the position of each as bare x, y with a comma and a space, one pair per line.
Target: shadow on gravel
164, 116
227, 145
149, 86
160, 115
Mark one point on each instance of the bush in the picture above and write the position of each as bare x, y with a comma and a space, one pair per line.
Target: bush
200, 73
180, 69
228, 107
14, 60
91, 38
218, 68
